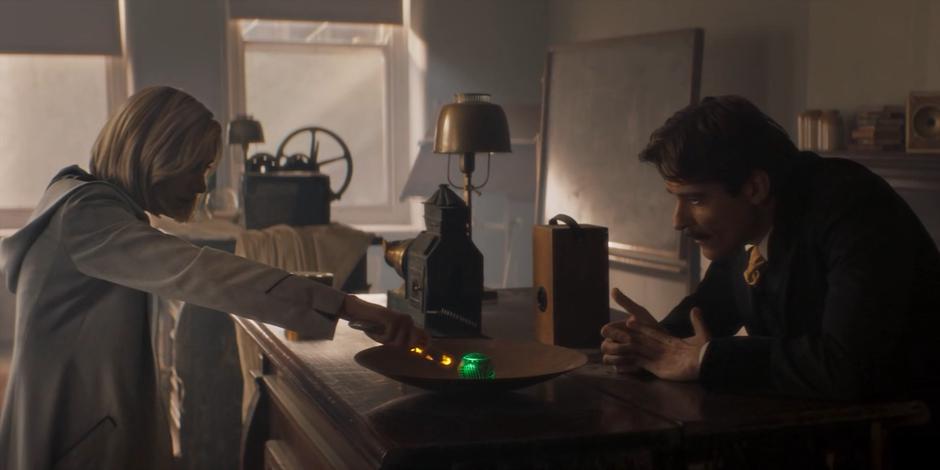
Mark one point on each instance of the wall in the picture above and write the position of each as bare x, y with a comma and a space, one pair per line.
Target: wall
784, 56
179, 43
871, 52
756, 49
490, 46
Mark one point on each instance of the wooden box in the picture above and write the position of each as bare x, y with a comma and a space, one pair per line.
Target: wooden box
570, 275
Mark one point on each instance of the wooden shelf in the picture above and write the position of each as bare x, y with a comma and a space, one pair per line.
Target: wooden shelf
904, 171
887, 156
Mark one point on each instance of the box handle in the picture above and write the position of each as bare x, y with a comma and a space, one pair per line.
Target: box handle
567, 219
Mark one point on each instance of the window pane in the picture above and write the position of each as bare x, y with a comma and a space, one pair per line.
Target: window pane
294, 32
51, 109
339, 88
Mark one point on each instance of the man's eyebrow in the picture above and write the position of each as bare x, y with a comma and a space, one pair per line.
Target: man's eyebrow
682, 192
689, 194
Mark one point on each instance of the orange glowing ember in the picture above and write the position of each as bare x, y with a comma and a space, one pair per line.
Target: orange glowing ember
433, 356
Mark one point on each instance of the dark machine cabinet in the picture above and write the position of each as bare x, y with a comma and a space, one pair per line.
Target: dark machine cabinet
289, 197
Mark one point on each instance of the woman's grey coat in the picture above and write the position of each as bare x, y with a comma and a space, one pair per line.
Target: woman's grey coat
83, 387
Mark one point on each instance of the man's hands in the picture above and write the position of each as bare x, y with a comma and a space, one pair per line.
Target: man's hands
639, 342
399, 328
616, 353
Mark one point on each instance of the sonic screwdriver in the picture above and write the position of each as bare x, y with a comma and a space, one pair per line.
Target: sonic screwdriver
429, 353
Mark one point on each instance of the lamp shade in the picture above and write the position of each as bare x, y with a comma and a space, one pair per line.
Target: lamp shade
244, 130
471, 124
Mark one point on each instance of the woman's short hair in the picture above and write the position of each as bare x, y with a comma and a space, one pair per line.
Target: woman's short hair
159, 133
721, 139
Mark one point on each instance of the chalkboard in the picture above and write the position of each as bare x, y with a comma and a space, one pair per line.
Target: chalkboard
601, 101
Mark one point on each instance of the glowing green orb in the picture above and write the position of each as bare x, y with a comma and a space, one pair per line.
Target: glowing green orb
476, 366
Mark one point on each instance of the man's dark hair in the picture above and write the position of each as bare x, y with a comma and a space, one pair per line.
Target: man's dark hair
721, 139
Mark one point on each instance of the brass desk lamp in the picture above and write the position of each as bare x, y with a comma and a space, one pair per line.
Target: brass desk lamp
471, 125
442, 268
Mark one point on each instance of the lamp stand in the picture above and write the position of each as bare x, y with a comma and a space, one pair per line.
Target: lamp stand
467, 165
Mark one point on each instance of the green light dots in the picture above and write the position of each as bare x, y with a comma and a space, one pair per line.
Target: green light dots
476, 366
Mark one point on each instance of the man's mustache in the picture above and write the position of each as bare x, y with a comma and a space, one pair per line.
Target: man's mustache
694, 234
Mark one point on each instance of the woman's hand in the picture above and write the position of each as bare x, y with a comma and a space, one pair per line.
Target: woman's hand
399, 329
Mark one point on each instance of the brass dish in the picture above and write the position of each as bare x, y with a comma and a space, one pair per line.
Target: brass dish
516, 364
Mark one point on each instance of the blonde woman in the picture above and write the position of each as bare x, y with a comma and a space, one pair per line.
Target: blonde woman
83, 392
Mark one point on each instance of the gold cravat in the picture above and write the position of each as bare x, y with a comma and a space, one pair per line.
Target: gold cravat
754, 265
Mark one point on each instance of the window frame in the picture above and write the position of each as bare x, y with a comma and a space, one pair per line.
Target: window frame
396, 119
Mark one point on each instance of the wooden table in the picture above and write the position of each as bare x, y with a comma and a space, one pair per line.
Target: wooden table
316, 408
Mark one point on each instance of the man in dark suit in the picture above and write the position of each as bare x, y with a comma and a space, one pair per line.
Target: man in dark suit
833, 277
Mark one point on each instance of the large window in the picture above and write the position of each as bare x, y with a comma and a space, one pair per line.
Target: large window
341, 77
51, 109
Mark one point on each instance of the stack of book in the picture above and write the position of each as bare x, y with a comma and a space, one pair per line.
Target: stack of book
879, 129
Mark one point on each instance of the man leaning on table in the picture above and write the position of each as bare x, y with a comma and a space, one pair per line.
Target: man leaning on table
833, 277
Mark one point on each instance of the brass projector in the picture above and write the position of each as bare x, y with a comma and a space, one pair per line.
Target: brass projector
442, 269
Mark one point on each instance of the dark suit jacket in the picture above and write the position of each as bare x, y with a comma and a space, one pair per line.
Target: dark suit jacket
849, 303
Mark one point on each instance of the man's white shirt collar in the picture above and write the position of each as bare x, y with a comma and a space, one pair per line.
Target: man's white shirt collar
762, 246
